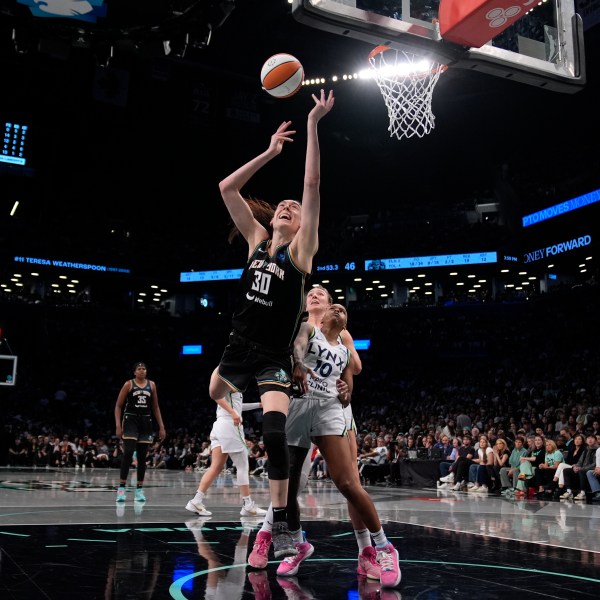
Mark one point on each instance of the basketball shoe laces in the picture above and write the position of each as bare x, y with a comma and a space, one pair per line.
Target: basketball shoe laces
262, 545
385, 559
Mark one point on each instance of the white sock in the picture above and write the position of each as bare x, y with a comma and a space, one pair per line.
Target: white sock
247, 500
380, 539
363, 539
199, 497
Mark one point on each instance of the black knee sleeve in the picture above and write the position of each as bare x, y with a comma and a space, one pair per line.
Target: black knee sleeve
278, 463
296, 484
128, 450
297, 456
142, 452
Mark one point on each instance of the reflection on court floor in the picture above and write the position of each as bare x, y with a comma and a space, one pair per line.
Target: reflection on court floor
61, 534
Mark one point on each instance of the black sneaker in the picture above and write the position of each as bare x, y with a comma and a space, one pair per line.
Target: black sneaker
283, 543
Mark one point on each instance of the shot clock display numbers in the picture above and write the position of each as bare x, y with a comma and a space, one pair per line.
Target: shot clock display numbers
14, 139
413, 262
348, 266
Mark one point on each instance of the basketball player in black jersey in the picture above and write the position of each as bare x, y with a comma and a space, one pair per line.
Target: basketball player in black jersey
269, 306
136, 402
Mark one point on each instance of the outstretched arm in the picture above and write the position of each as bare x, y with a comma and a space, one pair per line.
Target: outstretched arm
306, 241
232, 185
299, 352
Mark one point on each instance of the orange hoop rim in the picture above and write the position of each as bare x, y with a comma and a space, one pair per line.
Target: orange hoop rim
378, 50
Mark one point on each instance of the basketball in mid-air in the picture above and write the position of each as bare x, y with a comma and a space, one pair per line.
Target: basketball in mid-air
282, 75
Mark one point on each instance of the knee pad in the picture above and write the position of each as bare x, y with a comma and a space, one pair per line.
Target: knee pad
276, 445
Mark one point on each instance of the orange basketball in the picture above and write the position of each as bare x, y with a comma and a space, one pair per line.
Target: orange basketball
282, 75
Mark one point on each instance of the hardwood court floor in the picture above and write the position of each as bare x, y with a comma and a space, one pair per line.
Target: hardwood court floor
63, 536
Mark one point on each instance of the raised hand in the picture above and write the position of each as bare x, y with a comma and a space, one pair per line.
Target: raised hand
323, 104
281, 136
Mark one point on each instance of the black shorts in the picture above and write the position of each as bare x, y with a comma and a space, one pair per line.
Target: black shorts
243, 360
138, 427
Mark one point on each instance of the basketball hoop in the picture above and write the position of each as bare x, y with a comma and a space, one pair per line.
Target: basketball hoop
406, 82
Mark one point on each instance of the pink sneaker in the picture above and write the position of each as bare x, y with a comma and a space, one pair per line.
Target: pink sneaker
289, 566
259, 557
368, 565
368, 589
259, 580
293, 590
387, 557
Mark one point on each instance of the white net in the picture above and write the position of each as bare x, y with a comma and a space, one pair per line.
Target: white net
406, 82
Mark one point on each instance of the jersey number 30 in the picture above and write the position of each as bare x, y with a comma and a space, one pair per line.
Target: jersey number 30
262, 282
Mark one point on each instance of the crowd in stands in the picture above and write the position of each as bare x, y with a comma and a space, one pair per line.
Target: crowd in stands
502, 371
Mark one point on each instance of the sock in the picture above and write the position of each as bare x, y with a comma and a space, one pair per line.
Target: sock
140, 485
279, 514
267, 526
122, 484
247, 500
363, 539
379, 538
297, 536
199, 497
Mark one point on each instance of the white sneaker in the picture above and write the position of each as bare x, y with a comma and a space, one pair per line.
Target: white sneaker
448, 479
196, 524
197, 508
580, 497
457, 486
252, 510
470, 484
482, 489
251, 522
443, 486
567, 496
195, 527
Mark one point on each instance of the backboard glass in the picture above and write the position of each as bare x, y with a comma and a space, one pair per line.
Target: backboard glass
543, 48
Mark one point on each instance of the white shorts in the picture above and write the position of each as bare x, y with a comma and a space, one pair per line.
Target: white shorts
226, 435
350, 424
311, 417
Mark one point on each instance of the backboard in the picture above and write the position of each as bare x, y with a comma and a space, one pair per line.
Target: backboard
544, 47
